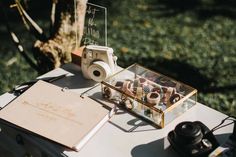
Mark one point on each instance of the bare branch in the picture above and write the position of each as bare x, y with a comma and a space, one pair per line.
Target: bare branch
30, 24
17, 43
52, 17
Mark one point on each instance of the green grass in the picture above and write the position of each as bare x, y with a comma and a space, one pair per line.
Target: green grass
13, 68
192, 41
195, 44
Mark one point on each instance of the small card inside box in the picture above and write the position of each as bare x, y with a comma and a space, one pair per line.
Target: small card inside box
149, 94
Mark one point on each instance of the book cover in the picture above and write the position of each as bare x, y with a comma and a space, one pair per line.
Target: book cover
58, 115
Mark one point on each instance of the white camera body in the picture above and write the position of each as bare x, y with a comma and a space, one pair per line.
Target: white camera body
98, 62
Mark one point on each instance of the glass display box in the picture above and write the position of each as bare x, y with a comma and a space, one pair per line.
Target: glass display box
148, 94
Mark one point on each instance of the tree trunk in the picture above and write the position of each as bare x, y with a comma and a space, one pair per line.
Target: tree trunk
63, 40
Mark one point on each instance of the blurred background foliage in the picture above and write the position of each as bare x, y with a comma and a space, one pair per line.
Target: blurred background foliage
193, 41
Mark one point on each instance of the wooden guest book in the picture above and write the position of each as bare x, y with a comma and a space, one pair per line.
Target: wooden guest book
56, 114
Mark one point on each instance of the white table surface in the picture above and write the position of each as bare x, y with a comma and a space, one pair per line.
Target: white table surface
124, 135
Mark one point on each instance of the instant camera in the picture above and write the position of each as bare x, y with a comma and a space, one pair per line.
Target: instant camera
98, 62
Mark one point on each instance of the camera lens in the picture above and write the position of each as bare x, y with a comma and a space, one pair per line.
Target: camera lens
99, 71
96, 73
188, 133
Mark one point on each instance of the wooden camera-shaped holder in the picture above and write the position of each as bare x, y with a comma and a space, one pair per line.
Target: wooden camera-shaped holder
148, 94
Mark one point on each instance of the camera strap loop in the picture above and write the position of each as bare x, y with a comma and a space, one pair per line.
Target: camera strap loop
115, 61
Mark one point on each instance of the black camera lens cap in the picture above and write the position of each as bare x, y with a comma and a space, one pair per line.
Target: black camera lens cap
188, 133
96, 73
